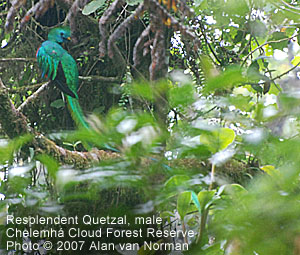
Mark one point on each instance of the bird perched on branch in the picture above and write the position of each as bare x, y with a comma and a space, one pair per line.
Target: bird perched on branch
60, 67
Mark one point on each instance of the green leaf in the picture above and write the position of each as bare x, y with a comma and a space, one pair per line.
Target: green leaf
258, 28
59, 103
270, 170
224, 136
50, 163
236, 7
269, 50
7, 151
183, 203
205, 198
18, 185
199, 6
258, 88
176, 181
295, 60
278, 36
92, 6
214, 249
3, 213
208, 67
253, 70
218, 139
239, 36
144, 90
232, 189
198, 2
231, 77
240, 102
181, 96
166, 214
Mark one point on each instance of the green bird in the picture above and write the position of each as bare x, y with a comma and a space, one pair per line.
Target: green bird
60, 67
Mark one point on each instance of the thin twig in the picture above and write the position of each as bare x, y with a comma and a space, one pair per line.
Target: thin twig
285, 9
122, 29
280, 75
99, 78
262, 45
290, 6
212, 176
33, 96
139, 45
17, 59
275, 78
25, 88
206, 40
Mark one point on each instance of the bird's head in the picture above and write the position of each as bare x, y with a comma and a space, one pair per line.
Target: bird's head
59, 34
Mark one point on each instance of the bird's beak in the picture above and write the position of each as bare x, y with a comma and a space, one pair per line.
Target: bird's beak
69, 38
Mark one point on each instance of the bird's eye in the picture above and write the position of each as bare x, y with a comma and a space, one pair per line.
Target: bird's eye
61, 33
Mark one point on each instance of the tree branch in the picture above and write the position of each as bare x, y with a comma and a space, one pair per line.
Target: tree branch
281, 75
12, 121
208, 44
25, 88
33, 97
269, 42
103, 22
122, 28
37, 10
139, 45
290, 6
17, 59
99, 78
15, 124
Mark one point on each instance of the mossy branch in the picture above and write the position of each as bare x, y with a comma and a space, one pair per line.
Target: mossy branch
15, 124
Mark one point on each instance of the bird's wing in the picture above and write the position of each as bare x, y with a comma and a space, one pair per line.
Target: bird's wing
48, 57
54, 62
70, 71
62, 83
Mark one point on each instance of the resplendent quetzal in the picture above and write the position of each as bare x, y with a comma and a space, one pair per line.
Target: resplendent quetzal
60, 67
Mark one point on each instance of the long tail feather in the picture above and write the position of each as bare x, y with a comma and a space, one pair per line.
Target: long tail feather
76, 112
78, 117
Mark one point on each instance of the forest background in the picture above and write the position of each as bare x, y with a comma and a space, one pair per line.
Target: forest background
194, 115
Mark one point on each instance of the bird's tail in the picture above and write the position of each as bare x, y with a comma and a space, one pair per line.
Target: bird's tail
76, 112
78, 117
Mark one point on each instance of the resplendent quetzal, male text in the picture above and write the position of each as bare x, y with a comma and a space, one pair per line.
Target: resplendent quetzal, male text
60, 67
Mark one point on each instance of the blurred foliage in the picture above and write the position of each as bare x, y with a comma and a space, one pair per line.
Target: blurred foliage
226, 165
